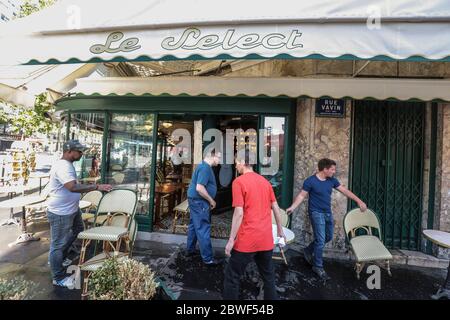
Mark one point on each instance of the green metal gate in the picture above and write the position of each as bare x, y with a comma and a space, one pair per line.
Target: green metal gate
387, 167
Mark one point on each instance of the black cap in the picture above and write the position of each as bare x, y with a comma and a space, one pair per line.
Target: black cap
74, 145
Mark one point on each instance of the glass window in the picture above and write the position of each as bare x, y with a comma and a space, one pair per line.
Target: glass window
130, 155
88, 129
273, 153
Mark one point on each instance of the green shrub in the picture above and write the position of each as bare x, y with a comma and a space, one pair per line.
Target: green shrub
122, 279
17, 289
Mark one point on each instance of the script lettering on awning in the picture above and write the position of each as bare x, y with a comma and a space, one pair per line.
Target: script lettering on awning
126, 45
192, 39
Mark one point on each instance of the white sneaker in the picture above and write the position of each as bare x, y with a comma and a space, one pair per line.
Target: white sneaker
67, 282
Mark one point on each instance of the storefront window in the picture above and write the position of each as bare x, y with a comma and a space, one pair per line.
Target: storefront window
88, 129
273, 153
129, 155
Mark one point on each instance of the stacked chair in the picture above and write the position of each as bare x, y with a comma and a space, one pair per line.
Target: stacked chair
118, 230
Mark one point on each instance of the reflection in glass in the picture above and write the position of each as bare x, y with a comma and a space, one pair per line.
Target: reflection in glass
130, 154
88, 129
274, 142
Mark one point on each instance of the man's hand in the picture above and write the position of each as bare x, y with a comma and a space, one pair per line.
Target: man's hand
229, 247
104, 187
280, 234
362, 206
212, 203
289, 210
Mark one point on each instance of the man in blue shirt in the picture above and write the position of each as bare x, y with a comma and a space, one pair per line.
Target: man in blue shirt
319, 188
201, 193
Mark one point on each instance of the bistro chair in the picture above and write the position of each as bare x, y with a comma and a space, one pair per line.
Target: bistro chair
94, 198
119, 228
118, 177
284, 223
181, 213
38, 211
365, 247
96, 262
118, 200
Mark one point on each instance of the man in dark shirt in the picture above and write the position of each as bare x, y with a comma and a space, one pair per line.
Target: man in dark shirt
319, 187
201, 193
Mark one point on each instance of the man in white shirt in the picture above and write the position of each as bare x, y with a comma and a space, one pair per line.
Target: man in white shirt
63, 212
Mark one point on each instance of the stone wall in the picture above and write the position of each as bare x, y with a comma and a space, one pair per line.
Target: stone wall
316, 138
442, 215
330, 137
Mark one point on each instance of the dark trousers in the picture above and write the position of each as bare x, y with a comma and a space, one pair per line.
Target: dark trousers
236, 268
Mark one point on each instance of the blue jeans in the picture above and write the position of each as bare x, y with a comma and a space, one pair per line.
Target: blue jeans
63, 232
323, 227
200, 228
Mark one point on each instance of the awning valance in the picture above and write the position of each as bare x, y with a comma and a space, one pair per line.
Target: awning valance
361, 88
141, 30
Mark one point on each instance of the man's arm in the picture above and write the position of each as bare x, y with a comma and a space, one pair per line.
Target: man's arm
352, 196
277, 214
235, 225
298, 200
202, 191
73, 186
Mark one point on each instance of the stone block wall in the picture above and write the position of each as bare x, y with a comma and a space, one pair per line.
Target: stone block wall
442, 214
316, 138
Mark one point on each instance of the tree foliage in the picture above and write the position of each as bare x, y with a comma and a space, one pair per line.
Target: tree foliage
37, 119
29, 7
27, 121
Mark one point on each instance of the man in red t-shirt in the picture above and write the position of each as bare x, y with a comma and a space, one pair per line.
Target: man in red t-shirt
251, 231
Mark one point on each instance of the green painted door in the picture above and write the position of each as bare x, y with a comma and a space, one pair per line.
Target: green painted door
387, 167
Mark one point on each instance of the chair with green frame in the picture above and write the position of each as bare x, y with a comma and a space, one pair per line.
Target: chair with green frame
94, 198
97, 261
368, 246
119, 227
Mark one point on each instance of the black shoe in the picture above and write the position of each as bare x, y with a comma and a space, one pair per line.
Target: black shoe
191, 253
213, 263
320, 272
308, 257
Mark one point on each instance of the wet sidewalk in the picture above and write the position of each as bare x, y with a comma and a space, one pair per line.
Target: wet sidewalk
189, 279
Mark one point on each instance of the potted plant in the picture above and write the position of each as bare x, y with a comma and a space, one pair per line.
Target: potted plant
17, 289
124, 279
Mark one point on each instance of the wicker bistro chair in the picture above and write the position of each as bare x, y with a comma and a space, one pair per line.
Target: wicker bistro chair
120, 206
181, 213
117, 200
278, 248
97, 261
366, 247
94, 198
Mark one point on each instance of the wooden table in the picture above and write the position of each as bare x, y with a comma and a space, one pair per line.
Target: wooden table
40, 176
174, 190
442, 239
22, 202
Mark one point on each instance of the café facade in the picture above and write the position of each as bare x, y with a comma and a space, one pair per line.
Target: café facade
365, 85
